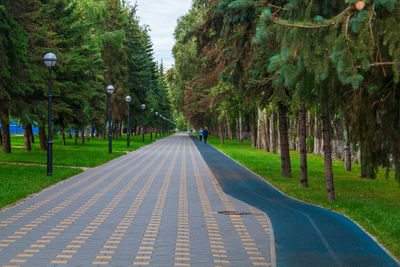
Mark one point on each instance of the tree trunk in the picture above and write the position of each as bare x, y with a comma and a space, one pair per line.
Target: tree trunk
310, 124
259, 129
69, 134
82, 136
367, 166
284, 142
31, 137
265, 138
76, 135
220, 132
230, 135
42, 138
237, 130
92, 130
5, 127
347, 150
88, 133
263, 133
317, 136
5, 138
253, 128
272, 135
1, 138
63, 137
326, 135
303, 145
240, 128
27, 138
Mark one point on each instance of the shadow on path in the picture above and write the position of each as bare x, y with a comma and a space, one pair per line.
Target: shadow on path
305, 235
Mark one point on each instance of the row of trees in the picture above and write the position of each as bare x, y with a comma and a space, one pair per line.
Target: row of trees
97, 43
315, 76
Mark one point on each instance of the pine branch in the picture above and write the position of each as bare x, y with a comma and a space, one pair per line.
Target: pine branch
333, 20
304, 26
377, 64
277, 7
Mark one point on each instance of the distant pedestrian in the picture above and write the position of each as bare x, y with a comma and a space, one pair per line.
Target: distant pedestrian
205, 134
201, 134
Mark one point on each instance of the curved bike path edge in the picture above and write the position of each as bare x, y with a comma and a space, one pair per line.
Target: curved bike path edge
305, 235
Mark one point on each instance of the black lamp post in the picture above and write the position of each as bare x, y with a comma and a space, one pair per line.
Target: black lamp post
156, 120
161, 127
110, 90
143, 108
50, 61
151, 126
128, 131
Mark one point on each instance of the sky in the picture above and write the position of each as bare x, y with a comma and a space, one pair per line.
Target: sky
161, 16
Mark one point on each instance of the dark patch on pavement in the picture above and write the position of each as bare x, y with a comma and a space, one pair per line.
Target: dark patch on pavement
305, 235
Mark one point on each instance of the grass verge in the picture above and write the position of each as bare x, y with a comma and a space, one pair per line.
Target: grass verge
19, 181
374, 204
90, 154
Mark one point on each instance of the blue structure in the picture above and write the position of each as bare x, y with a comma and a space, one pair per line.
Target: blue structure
16, 128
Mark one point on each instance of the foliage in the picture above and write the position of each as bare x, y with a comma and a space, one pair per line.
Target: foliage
97, 43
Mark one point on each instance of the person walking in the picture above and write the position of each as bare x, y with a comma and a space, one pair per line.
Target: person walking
201, 134
205, 134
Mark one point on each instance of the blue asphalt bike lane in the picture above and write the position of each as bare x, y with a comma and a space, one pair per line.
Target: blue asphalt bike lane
305, 235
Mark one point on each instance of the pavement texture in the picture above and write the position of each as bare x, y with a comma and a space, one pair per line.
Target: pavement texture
158, 206
305, 235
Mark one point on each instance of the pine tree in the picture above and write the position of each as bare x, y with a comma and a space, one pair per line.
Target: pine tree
13, 44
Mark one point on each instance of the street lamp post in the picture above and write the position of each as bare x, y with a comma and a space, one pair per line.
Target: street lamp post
151, 126
50, 61
161, 125
110, 90
143, 108
156, 122
128, 131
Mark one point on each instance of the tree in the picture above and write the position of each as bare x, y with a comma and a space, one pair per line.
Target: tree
13, 43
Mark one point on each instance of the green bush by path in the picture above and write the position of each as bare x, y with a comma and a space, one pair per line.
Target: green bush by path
374, 204
19, 181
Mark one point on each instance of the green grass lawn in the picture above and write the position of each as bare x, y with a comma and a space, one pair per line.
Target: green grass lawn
374, 204
90, 154
18, 181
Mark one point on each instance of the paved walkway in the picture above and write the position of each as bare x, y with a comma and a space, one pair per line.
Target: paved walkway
305, 235
158, 206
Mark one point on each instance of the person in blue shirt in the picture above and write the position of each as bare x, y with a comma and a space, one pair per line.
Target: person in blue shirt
201, 134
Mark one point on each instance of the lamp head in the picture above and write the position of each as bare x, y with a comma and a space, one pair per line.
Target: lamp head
110, 89
50, 60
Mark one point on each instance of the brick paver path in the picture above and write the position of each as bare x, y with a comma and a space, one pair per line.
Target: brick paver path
158, 206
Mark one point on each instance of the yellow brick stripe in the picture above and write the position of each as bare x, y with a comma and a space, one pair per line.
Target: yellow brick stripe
248, 242
182, 245
149, 239
53, 196
64, 224
82, 237
216, 242
110, 247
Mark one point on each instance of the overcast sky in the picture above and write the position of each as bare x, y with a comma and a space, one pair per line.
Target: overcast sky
161, 16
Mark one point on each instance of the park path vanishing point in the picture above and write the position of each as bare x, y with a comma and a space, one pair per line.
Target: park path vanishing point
157, 206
